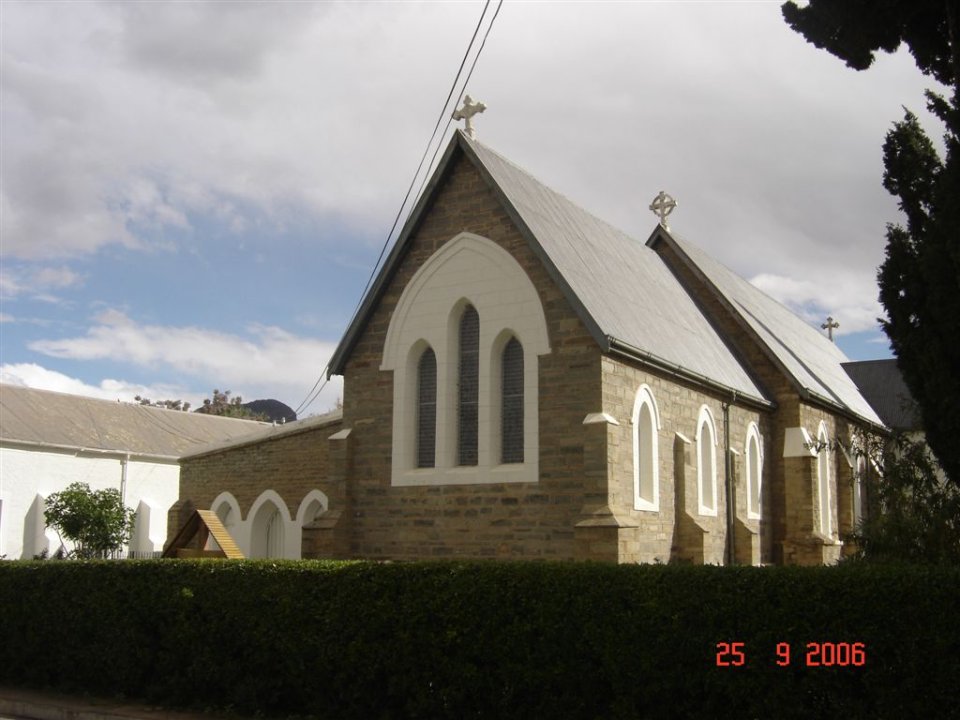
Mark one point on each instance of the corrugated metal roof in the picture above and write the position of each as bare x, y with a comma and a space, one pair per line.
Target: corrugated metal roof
814, 362
626, 295
621, 283
71, 421
881, 383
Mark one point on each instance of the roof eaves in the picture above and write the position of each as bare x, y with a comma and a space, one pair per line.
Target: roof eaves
389, 269
621, 348
814, 397
87, 451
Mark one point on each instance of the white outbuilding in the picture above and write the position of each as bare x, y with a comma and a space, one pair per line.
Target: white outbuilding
49, 440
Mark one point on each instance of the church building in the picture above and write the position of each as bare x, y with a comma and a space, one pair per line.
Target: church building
523, 380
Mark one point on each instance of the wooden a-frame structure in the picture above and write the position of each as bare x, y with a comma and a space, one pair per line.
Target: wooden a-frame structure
191, 541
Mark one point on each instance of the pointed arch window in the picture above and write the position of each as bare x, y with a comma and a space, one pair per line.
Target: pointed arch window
469, 387
511, 403
645, 419
427, 409
823, 481
754, 472
706, 463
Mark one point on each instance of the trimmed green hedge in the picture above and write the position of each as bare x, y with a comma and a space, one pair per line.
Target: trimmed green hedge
484, 640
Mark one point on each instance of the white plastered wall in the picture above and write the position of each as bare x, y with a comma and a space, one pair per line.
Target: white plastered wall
28, 473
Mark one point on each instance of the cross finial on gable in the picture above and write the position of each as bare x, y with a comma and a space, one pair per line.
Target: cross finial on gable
830, 325
662, 206
469, 109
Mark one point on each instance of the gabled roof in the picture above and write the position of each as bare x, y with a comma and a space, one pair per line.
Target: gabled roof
57, 420
621, 290
813, 362
881, 383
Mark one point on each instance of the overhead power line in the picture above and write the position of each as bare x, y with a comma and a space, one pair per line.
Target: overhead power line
445, 112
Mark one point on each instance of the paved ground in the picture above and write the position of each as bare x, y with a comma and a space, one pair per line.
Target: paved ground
25, 704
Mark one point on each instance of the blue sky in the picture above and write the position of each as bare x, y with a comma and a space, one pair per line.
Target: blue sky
194, 194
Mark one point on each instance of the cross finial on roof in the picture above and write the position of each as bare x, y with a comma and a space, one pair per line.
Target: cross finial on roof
830, 325
662, 206
469, 109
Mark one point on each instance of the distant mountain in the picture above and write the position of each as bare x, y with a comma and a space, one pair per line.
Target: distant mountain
274, 410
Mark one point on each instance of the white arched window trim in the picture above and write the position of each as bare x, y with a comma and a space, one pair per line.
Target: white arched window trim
823, 481
706, 463
645, 421
473, 270
753, 453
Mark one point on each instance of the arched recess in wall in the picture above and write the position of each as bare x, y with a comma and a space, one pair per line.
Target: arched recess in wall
645, 422
314, 503
754, 470
706, 462
270, 525
823, 481
467, 271
228, 511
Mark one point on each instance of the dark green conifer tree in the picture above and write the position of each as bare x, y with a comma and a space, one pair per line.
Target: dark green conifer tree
920, 276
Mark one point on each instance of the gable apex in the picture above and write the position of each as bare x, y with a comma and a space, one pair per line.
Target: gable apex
621, 291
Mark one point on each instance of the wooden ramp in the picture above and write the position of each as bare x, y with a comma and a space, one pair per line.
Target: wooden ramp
191, 541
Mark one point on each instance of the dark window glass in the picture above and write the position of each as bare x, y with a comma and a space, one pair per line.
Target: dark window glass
511, 418
469, 390
426, 409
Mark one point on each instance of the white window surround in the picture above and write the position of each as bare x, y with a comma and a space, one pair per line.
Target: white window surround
706, 455
646, 427
473, 270
753, 452
823, 481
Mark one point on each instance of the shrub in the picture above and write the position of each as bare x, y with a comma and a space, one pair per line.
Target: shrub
484, 640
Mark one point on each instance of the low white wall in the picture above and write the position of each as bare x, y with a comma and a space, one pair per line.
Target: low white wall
151, 488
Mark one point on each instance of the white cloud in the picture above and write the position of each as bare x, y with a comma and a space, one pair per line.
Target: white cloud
843, 296
40, 378
268, 362
36, 281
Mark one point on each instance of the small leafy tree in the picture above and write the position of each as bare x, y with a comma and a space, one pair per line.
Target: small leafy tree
914, 511
94, 520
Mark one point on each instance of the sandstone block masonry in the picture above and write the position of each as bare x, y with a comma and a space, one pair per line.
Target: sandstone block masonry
582, 505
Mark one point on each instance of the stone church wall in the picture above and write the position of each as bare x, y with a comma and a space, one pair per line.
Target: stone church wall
508, 520
291, 465
677, 531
